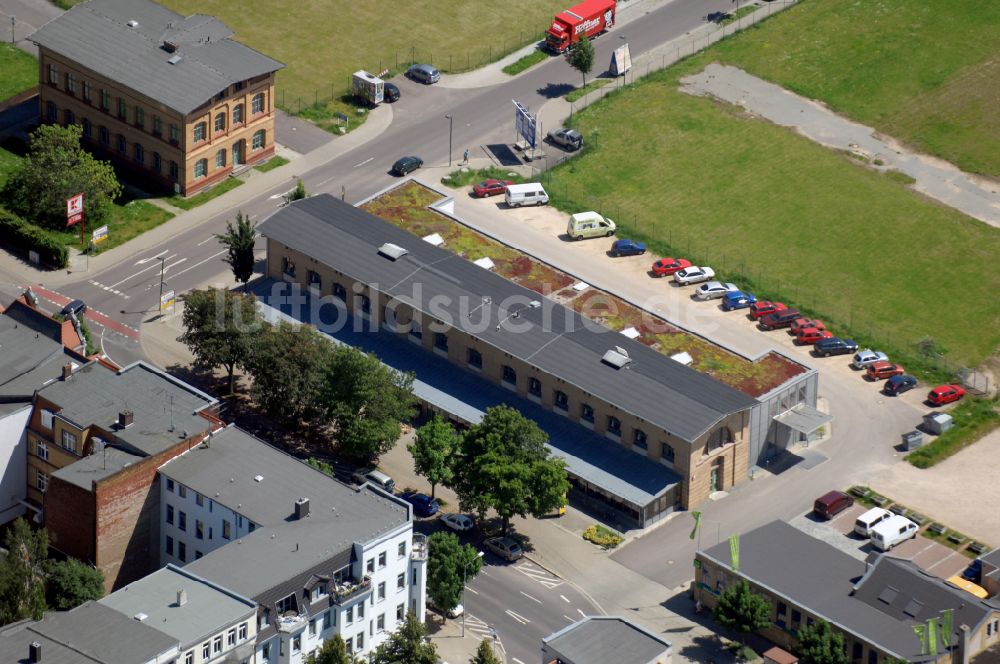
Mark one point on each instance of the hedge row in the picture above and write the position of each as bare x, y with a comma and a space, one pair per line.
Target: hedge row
24, 237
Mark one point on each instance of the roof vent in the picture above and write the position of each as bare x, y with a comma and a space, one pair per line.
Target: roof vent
169, 46
301, 508
258, 478
67, 371
35, 652
175, 59
133, 24
617, 358
125, 418
392, 251
182, 597
140, 616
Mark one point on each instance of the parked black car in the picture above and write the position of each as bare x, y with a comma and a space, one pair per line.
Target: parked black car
406, 165
899, 384
835, 346
390, 93
76, 307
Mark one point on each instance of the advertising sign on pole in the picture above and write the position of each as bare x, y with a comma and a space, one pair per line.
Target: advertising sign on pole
524, 124
621, 60
99, 235
74, 209
167, 300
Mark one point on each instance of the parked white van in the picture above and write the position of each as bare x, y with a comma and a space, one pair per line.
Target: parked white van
589, 224
864, 523
525, 194
892, 531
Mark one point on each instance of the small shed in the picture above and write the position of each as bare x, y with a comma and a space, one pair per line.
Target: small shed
778, 656
937, 422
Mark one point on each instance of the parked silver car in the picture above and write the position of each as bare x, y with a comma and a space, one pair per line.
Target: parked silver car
570, 139
426, 74
505, 547
714, 289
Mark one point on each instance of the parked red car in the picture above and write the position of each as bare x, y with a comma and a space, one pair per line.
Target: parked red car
810, 335
763, 308
882, 370
490, 188
943, 394
667, 266
802, 323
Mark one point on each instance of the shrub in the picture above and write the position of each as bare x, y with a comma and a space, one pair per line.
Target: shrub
602, 537
24, 237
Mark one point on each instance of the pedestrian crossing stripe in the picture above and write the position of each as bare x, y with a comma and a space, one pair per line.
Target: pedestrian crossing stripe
482, 631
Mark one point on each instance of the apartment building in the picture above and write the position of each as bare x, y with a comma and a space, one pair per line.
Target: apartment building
317, 556
172, 99
875, 604
95, 439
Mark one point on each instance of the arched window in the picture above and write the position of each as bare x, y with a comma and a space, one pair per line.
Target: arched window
199, 132
220, 158
200, 168
257, 103
220, 122
718, 438
258, 139
238, 114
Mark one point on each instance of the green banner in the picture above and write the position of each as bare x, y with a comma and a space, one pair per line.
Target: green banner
697, 522
734, 551
932, 633
921, 631
946, 628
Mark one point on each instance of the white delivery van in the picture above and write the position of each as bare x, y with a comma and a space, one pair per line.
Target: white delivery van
525, 194
864, 523
368, 87
892, 531
589, 224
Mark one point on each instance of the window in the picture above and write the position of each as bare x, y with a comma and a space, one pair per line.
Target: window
69, 440
217, 645
287, 266
242, 632
182, 491
170, 545
257, 103
366, 304
227, 530
381, 560
718, 438
561, 401
441, 341
105, 100
286, 604
370, 566
200, 168
350, 645
69, 117
139, 153
231, 637
796, 616
872, 656
51, 112
105, 135
238, 114
87, 91
361, 640
400, 581
361, 611
339, 292
88, 130
782, 608
140, 117
182, 522
157, 125
53, 74
199, 132
509, 375
41, 450
175, 133
312, 627
122, 108
189, 658
220, 122
639, 439
121, 144
199, 529
534, 387
400, 611
587, 413
667, 452
380, 623
170, 485
41, 481
475, 358
614, 425
416, 330
258, 139
206, 650
182, 551
174, 170
199, 499
170, 514
326, 620
349, 615
401, 550
239, 85
220, 159
197, 554
47, 417
71, 83
381, 591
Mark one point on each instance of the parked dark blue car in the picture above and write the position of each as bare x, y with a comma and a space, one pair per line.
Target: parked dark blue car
627, 248
423, 505
899, 384
973, 571
737, 300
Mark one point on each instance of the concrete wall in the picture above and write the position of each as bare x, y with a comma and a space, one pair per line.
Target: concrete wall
13, 463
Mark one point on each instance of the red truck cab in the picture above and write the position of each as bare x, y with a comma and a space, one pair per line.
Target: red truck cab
586, 20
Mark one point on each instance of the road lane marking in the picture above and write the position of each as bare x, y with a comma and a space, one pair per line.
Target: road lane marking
206, 240
147, 269
519, 618
471, 590
564, 599
366, 161
568, 618
191, 267
109, 289
530, 597
143, 261
547, 580
516, 660
580, 611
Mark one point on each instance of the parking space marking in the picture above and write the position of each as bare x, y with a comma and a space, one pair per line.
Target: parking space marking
580, 611
565, 599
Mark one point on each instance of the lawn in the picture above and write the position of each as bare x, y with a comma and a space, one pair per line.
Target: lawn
778, 213
274, 162
205, 196
526, 62
324, 41
128, 219
922, 71
20, 71
592, 84
8, 164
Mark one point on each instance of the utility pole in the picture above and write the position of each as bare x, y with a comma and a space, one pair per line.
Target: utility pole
450, 124
159, 303
13, 22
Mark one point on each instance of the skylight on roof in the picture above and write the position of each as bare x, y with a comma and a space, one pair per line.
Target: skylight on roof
888, 594
617, 358
913, 608
392, 251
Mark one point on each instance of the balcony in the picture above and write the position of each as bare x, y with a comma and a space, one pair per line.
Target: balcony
290, 622
419, 551
349, 590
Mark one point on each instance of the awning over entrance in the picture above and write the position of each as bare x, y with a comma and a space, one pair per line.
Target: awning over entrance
803, 418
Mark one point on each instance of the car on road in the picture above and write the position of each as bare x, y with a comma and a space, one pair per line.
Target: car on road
763, 308
425, 74
835, 346
883, 370
868, 356
569, 139
507, 548
943, 394
423, 505
778, 319
899, 384
406, 165
458, 522
811, 335
76, 308
715, 289
627, 248
491, 187
390, 93
803, 323
667, 266
693, 275
737, 300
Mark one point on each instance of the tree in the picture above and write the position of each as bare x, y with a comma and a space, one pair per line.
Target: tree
450, 565
406, 645
298, 193
742, 610
22, 573
220, 329
239, 242
503, 464
818, 644
581, 58
366, 401
56, 168
484, 654
432, 452
333, 651
290, 366
70, 583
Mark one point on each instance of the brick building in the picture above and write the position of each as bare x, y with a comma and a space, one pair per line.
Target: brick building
95, 440
171, 98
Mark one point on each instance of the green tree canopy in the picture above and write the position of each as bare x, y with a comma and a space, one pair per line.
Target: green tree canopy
450, 565
333, 651
818, 644
432, 451
290, 367
581, 57
70, 583
299, 192
55, 169
239, 241
22, 573
742, 610
406, 645
504, 464
484, 654
220, 329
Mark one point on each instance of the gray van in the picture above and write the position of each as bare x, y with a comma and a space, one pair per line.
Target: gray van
426, 74
376, 477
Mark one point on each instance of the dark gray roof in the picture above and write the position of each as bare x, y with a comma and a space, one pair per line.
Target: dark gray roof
28, 359
91, 633
96, 467
604, 639
164, 407
551, 337
96, 35
37, 320
821, 578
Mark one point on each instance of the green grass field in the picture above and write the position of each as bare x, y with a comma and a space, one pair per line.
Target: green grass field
323, 41
19, 71
923, 71
794, 219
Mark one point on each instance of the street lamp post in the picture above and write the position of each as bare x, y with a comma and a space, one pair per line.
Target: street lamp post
465, 571
450, 125
163, 260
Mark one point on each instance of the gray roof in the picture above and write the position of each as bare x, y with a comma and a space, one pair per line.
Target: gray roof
87, 634
555, 339
28, 359
821, 578
208, 608
96, 35
603, 639
96, 467
164, 407
37, 320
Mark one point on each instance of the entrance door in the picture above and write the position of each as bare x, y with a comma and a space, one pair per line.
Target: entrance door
237, 153
713, 479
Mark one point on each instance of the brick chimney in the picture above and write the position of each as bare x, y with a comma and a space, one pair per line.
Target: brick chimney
67, 371
125, 418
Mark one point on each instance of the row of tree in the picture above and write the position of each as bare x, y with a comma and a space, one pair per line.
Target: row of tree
298, 376
31, 582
